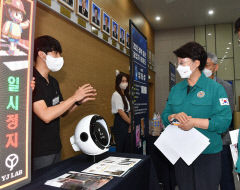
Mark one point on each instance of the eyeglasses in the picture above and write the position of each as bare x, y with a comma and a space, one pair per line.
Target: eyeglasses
182, 63
177, 64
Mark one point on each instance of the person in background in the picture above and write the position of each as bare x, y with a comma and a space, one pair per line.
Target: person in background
121, 110
48, 103
237, 29
227, 180
201, 103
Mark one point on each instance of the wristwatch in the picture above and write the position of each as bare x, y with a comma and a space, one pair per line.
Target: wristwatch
77, 103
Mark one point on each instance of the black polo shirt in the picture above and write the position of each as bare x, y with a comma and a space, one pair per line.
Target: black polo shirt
46, 137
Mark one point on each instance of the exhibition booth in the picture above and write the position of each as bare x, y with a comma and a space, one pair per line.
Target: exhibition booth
101, 54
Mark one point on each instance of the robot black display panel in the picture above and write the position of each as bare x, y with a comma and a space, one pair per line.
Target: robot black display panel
99, 135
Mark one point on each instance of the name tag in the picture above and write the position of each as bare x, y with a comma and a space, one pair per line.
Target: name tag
55, 101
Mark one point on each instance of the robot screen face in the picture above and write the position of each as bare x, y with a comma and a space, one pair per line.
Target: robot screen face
99, 135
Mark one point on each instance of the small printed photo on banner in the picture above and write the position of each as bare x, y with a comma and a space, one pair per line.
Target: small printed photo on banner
142, 126
83, 9
96, 15
122, 36
138, 138
128, 40
114, 30
68, 3
15, 29
106, 23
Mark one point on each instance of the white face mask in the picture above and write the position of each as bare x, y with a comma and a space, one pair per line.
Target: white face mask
54, 64
123, 85
207, 72
184, 71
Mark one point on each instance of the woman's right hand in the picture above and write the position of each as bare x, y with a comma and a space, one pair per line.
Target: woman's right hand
181, 117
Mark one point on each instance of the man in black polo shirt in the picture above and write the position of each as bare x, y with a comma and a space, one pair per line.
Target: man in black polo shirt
48, 104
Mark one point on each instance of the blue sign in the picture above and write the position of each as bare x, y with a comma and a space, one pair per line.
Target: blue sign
139, 83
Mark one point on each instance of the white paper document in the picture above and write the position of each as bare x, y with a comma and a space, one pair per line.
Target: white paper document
113, 166
234, 136
234, 152
175, 143
234, 149
162, 145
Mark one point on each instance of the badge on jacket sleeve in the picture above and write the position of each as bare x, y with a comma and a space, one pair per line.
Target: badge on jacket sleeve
200, 94
224, 101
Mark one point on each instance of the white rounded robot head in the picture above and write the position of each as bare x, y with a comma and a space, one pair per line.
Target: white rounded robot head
91, 135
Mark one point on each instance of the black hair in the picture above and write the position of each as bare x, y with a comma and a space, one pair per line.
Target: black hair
95, 8
46, 44
237, 25
193, 51
118, 89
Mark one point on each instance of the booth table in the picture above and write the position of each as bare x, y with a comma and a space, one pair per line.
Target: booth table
141, 177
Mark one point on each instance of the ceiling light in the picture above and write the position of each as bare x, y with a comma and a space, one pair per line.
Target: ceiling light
226, 52
209, 34
157, 18
230, 43
228, 48
210, 12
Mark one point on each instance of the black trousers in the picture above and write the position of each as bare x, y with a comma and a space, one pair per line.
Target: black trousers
227, 179
203, 174
120, 131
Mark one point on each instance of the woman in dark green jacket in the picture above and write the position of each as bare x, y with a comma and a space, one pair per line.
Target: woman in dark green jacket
201, 103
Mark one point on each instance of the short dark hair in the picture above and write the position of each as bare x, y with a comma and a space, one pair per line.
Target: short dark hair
237, 25
46, 44
95, 8
193, 51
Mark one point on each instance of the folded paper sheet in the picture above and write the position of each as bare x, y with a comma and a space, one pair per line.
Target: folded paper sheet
175, 143
234, 149
234, 136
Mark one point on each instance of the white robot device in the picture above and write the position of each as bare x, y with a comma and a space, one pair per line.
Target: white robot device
91, 135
